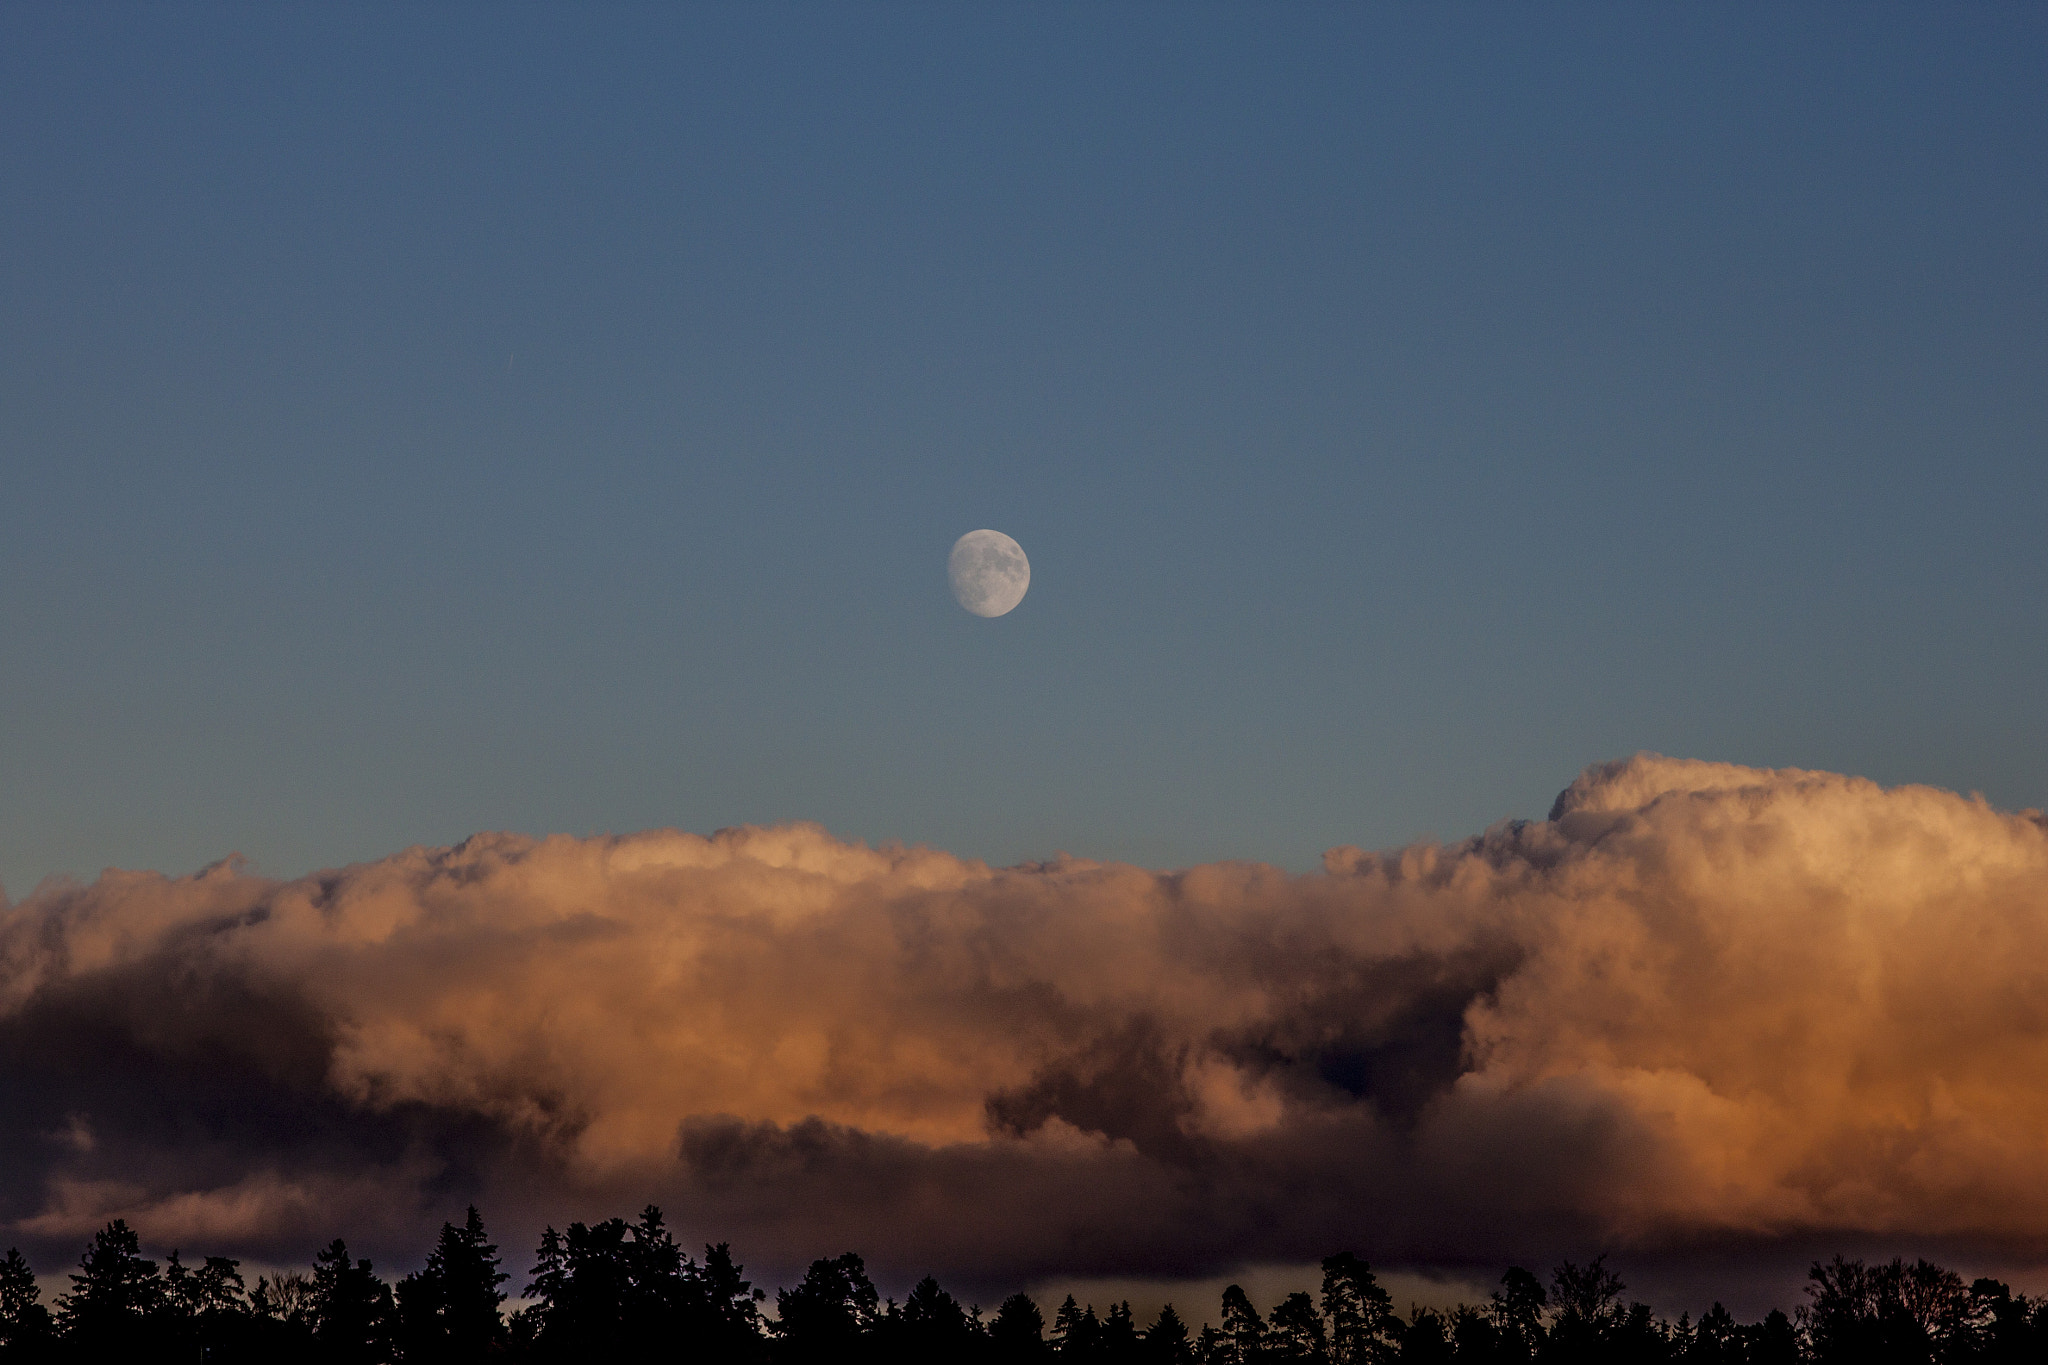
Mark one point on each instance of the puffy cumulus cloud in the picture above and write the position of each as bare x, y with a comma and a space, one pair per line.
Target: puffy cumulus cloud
1700, 1007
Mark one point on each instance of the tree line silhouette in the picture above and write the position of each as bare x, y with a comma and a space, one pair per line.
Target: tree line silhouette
627, 1291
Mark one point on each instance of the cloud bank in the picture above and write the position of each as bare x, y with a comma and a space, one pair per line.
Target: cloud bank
1700, 1009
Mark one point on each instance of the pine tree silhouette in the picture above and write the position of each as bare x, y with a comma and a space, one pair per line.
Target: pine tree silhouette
26, 1328
116, 1296
1166, 1340
1017, 1333
827, 1316
448, 1312
353, 1310
1295, 1332
1358, 1310
1244, 1332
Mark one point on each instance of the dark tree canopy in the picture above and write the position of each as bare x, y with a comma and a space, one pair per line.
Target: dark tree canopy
352, 1308
116, 1294
626, 1291
448, 1312
828, 1315
1360, 1314
1167, 1341
25, 1324
1017, 1333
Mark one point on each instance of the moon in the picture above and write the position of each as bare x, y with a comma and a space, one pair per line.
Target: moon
989, 572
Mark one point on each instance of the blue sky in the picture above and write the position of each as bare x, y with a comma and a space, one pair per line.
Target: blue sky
419, 420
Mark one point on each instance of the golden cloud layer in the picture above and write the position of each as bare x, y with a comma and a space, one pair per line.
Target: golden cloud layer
1699, 1003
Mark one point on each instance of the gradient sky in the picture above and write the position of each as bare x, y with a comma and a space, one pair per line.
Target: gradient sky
425, 419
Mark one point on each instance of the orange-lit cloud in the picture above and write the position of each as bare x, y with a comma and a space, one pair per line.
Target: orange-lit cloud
1700, 1005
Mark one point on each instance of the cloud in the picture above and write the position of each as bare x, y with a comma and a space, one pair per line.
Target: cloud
1699, 1008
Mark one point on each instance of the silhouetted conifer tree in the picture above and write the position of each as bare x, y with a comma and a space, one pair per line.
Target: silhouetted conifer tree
448, 1312
1075, 1331
1776, 1343
930, 1329
354, 1314
218, 1288
116, 1297
1714, 1340
1295, 1332
1166, 1340
1017, 1332
1475, 1337
1425, 1338
1083, 1339
202, 1312
1118, 1344
26, 1329
1244, 1331
1064, 1321
581, 1287
1635, 1335
1517, 1311
733, 1333
826, 1316
664, 1295
1360, 1314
